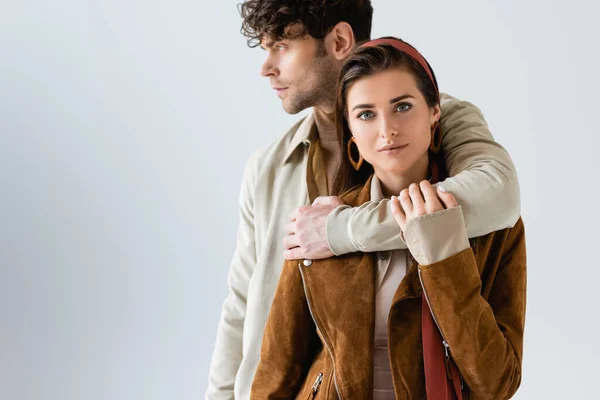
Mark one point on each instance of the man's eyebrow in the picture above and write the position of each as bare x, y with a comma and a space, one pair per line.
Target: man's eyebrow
267, 45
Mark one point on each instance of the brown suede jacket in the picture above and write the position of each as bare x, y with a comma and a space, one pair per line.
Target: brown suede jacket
318, 342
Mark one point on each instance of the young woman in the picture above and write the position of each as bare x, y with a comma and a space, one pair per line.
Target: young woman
355, 326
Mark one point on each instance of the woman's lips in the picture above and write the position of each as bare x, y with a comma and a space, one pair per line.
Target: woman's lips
393, 150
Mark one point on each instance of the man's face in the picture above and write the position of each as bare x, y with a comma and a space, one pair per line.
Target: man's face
301, 72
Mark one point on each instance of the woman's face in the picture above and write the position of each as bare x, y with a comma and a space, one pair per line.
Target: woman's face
390, 120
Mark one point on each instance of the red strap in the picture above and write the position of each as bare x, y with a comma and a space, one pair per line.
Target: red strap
442, 377
438, 384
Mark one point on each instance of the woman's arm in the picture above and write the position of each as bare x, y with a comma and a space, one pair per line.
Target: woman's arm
485, 336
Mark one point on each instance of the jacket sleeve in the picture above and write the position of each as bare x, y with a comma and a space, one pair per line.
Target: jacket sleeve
227, 354
485, 336
482, 178
289, 341
482, 174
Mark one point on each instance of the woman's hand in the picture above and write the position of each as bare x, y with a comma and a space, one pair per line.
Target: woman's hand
419, 200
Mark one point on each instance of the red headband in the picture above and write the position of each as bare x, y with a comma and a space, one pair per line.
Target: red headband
405, 48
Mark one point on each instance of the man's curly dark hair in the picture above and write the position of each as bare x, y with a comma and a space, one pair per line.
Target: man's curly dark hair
272, 18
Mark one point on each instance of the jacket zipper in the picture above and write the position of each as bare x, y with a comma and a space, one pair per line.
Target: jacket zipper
315, 386
319, 331
444, 342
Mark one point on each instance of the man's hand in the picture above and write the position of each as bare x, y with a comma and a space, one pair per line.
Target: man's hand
419, 200
306, 233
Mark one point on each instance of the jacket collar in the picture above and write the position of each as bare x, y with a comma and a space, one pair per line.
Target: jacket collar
304, 135
376, 192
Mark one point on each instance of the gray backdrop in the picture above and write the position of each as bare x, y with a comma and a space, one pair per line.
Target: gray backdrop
124, 129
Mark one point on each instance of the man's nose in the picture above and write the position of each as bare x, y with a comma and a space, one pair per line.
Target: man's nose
268, 68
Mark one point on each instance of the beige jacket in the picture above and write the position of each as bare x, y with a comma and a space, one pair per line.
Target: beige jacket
275, 185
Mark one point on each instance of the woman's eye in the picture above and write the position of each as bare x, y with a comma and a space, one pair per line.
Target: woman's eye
403, 107
366, 115
280, 47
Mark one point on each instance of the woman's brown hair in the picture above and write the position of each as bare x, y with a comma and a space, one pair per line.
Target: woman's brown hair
367, 61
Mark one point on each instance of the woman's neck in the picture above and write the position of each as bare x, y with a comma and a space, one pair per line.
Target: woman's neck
392, 183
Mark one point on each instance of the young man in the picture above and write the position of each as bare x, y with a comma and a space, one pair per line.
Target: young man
306, 43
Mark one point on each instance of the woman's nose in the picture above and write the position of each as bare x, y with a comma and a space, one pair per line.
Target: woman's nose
388, 130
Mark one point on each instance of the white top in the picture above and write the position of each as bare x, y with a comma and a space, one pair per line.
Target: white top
391, 269
383, 387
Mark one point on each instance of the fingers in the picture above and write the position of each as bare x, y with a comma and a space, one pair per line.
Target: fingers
447, 198
432, 203
405, 202
293, 216
293, 254
290, 242
290, 228
417, 199
397, 212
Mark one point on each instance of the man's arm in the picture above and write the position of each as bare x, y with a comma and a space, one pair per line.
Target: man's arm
483, 180
227, 354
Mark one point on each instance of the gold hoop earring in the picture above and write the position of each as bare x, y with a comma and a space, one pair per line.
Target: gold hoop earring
436, 138
355, 164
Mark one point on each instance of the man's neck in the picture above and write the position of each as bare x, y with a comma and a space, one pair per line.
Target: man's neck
325, 123
328, 140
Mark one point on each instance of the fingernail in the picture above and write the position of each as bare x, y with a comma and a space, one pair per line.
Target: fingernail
442, 189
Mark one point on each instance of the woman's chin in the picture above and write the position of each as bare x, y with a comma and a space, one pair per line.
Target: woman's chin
397, 168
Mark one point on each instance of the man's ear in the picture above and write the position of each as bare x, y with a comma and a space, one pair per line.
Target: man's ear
340, 41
